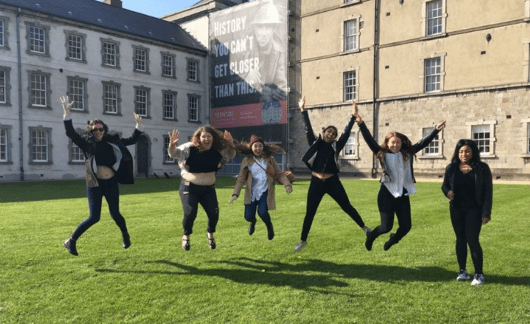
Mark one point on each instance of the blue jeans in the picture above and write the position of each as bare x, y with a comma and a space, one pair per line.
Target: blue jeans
191, 196
263, 210
111, 191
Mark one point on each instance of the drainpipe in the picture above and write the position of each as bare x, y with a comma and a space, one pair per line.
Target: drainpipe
375, 81
20, 120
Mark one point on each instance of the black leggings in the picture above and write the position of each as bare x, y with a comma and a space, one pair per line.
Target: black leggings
388, 206
467, 224
333, 187
191, 196
111, 191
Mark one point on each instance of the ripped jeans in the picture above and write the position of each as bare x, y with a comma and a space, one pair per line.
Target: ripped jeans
191, 196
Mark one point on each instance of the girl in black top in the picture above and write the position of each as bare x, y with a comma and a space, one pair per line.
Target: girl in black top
108, 162
468, 185
199, 160
322, 160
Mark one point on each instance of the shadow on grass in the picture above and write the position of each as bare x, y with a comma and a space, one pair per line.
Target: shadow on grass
313, 274
69, 189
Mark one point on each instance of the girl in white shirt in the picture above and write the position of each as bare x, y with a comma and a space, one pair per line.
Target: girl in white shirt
259, 171
396, 156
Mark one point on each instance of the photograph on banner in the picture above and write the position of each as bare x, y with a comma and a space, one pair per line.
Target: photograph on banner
248, 46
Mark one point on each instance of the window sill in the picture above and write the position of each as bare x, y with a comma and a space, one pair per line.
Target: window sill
431, 157
117, 67
350, 3
171, 119
426, 38
142, 72
349, 158
194, 81
488, 156
353, 51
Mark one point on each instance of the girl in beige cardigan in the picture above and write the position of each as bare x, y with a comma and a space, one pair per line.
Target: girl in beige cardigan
259, 171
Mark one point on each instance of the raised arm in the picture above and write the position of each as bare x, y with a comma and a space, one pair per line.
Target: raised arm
308, 129
341, 142
70, 131
137, 131
368, 138
428, 139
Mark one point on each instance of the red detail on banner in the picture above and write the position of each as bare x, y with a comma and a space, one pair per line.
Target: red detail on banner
258, 114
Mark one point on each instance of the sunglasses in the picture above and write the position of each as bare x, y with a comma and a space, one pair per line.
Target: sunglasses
100, 129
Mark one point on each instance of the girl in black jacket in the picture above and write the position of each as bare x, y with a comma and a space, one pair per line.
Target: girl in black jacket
468, 185
108, 162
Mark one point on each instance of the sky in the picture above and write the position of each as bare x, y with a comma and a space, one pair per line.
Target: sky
157, 8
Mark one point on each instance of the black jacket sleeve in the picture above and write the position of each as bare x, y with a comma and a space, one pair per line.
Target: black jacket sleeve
133, 139
424, 141
75, 137
372, 144
341, 142
311, 138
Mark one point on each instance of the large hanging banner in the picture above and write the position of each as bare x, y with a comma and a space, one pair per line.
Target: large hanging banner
248, 45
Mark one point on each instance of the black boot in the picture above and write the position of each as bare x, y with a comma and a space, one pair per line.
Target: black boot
370, 238
126, 240
251, 228
390, 242
70, 246
270, 231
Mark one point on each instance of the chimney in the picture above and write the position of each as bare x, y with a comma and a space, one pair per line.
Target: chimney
114, 3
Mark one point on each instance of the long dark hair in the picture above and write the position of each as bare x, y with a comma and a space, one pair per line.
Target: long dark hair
475, 159
406, 145
218, 143
268, 149
90, 132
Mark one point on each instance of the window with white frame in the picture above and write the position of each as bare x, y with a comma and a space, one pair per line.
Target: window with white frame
350, 35
168, 65
4, 154
2, 32
434, 17
76, 154
110, 53
350, 85
434, 146
40, 145
75, 46
37, 39
111, 98
170, 104
193, 70
193, 108
528, 138
141, 59
350, 147
39, 89
166, 157
77, 93
433, 72
481, 134
141, 101
3, 87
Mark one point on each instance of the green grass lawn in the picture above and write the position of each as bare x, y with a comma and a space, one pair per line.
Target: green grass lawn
249, 279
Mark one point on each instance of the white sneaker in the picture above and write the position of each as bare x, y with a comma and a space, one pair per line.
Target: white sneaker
478, 280
299, 246
463, 275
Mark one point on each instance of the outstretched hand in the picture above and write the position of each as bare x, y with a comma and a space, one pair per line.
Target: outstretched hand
67, 104
358, 118
301, 104
227, 136
441, 125
173, 138
138, 119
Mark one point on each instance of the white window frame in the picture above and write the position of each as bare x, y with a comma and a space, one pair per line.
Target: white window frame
75, 44
141, 101
526, 143
436, 144
351, 144
192, 70
110, 53
45, 155
167, 63
2, 32
166, 159
425, 19
4, 45
169, 107
76, 155
111, 98
352, 38
355, 86
39, 89
492, 132
526, 59
5, 152
3, 86
140, 59
423, 76
37, 45
77, 91
194, 102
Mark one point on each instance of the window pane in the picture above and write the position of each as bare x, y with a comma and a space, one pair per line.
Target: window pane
36, 39
111, 99
2, 86
3, 144
350, 35
76, 90
193, 108
39, 141
75, 47
140, 60
166, 157
1, 33
481, 135
77, 154
434, 17
433, 147
109, 54
169, 106
192, 70
349, 85
38, 90
168, 65
433, 74
141, 102
349, 148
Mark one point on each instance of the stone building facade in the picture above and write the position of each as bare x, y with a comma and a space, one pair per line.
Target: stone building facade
410, 64
113, 62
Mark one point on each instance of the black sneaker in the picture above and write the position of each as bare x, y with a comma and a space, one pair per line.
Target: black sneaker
251, 228
390, 242
70, 246
126, 240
